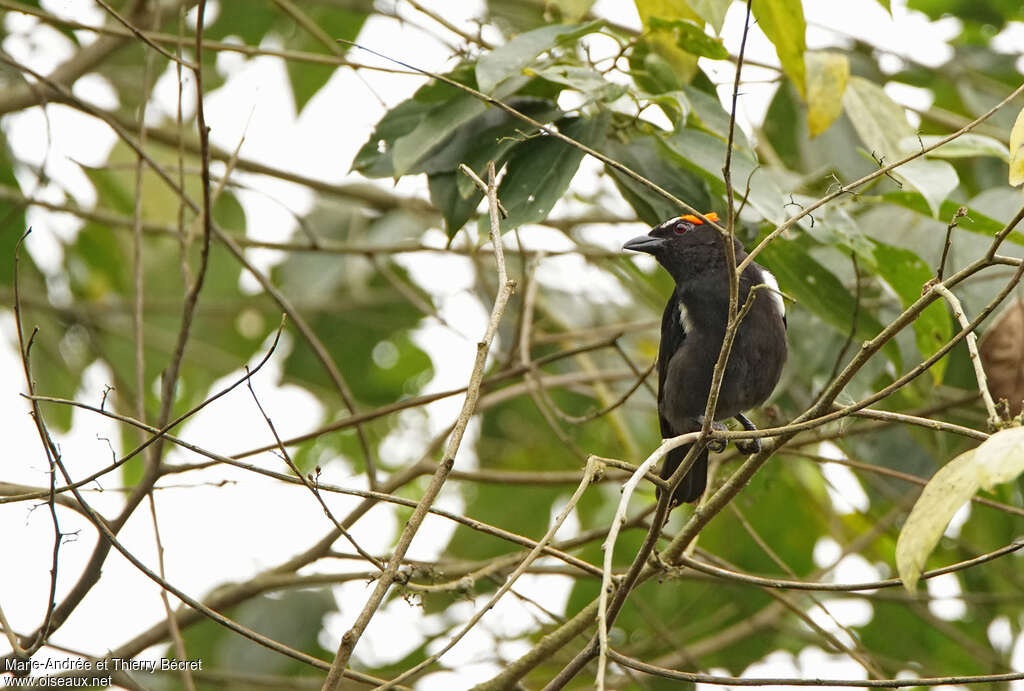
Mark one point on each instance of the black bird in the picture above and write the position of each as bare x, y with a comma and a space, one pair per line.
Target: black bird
692, 330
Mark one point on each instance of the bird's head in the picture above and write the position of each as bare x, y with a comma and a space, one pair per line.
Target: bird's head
684, 245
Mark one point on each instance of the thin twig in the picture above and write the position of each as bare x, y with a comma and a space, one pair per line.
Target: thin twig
972, 347
308, 482
505, 289
589, 473
608, 546
960, 213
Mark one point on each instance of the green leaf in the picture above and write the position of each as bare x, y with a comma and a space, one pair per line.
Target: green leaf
494, 140
783, 23
965, 146
933, 179
510, 59
337, 22
374, 158
906, 273
974, 221
244, 18
647, 155
581, 78
446, 196
712, 11
819, 291
690, 37
489, 137
571, 10
705, 154
418, 129
998, 459
880, 122
673, 66
539, 171
674, 104
708, 114
827, 73
441, 122
293, 617
882, 125
1016, 176
12, 223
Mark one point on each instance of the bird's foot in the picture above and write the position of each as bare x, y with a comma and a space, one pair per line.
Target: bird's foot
715, 445
747, 447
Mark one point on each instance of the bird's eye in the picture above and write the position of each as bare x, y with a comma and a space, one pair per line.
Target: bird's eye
679, 227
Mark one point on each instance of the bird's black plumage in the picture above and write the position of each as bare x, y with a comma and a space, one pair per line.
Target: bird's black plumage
692, 330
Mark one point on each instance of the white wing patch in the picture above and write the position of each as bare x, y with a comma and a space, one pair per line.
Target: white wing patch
684, 318
773, 285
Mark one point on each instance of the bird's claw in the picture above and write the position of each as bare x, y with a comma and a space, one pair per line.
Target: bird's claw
717, 445
748, 446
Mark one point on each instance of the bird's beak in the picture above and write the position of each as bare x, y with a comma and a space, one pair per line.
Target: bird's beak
645, 243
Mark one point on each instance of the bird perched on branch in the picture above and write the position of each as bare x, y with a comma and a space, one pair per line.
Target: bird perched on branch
692, 330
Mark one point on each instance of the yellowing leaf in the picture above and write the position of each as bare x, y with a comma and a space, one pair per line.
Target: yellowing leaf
1017, 133
1017, 150
1000, 458
826, 80
1017, 168
783, 23
954, 484
663, 42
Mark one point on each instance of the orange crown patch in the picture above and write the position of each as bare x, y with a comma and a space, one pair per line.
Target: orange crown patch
712, 216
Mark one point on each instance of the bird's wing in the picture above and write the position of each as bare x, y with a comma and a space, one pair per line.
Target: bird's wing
673, 335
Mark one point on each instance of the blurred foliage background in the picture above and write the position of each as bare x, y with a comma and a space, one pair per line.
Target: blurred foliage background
648, 92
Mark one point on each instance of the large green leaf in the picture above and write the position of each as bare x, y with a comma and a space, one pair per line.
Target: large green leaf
906, 273
783, 23
412, 136
974, 221
690, 37
510, 59
819, 291
336, 22
491, 136
659, 48
376, 157
646, 155
882, 126
712, 11
705, 154
540, 170
247, 20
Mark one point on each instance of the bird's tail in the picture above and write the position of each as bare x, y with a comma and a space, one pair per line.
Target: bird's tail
693, 484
